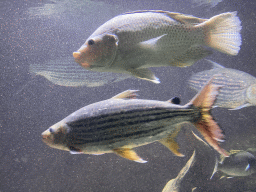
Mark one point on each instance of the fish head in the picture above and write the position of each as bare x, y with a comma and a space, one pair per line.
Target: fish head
97, 52
55, 136
251, 94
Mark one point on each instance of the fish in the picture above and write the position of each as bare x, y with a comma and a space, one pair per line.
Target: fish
211, 3
66, 72
133, 42
239, 163
123, 122
174, 184
238, 88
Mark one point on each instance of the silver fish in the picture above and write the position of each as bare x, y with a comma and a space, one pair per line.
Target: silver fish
211, 3
238, 88
118, 124
174, 184
132, 42
239, 163
66, 72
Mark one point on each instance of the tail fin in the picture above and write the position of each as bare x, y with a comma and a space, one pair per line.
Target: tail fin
223, 33
210, 130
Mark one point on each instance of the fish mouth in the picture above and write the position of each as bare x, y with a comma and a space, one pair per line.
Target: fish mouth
46, 136
78, 58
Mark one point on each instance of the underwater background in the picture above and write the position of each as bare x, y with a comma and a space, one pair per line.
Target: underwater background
41, 31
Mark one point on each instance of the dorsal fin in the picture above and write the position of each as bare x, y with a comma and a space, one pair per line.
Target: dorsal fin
128, 94
174, 100
182, 18
214, 64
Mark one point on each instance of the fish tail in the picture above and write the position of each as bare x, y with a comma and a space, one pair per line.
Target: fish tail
223, 33
210, 130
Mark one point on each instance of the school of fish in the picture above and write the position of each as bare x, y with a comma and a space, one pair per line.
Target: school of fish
127, 46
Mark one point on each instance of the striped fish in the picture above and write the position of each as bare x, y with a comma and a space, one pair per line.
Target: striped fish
66, 72
238, 89
119, 124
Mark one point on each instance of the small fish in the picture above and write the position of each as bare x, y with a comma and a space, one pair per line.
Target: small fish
238, 88
174, 184
211, 3
118, 124
132, 42
239, 163
66, 72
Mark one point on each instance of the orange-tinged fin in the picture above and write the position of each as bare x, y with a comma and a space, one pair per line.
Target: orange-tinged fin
129, 154
223, 33
210, 130
170, 142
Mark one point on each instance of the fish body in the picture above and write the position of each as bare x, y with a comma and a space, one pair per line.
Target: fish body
124, 122
174, 184
66, 72
238, 88
133, 42
239, 163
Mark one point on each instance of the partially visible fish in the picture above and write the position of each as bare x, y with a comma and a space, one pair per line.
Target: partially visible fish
132, 42
238, 89
211, 3
118, 124
66, 72
174, 184
239, 163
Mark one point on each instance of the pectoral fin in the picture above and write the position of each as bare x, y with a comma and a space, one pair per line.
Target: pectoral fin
171, 144
151, 44
128, 154
128, 94
144, 74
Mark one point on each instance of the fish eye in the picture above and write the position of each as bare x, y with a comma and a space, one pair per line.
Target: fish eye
90, 42
51, 130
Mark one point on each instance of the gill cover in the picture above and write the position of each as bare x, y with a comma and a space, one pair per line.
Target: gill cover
99, 51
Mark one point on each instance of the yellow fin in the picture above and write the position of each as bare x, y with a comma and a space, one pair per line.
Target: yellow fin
128, 94
171, 144
129, 154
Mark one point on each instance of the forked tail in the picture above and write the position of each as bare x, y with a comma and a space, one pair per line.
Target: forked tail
210, 130
222, 32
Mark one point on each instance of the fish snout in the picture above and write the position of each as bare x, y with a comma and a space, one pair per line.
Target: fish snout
78, 55
46, 136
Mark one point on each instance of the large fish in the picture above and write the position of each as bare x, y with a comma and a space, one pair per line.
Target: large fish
238, 88
66, 72
133, 42
123, 122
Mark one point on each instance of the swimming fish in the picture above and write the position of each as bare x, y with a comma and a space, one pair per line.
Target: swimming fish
132, 42
238, 88
66, 72
174, 184
118, 124
239, 163
211, 3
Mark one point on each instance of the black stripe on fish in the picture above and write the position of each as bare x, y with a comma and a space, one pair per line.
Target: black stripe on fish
91, 129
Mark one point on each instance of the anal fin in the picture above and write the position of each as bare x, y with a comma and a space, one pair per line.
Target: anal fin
128, 154
171, 144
